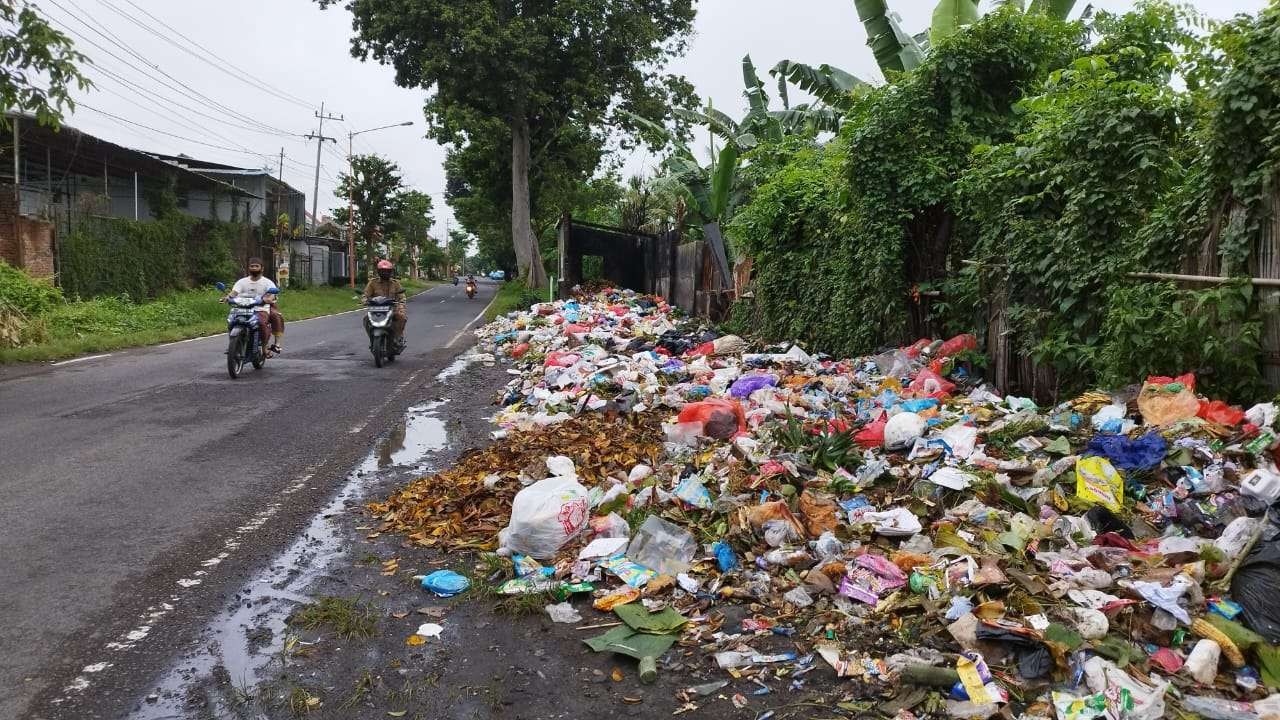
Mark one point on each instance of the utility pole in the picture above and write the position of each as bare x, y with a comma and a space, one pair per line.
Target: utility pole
351, 208
319, 138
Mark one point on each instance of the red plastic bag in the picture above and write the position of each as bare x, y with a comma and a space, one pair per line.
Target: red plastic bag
1219, 412
518, 351
720, 418
706, 348
561, 358
1187, 379
576, 329
872, 434
915, 350
957, 345
928, 383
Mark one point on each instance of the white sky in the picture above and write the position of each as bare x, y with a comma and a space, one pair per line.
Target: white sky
292, 45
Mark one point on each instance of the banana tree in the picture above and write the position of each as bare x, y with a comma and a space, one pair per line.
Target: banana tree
897, 51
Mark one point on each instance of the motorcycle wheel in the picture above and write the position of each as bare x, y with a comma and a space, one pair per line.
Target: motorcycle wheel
259, 356
379, 350
235, 356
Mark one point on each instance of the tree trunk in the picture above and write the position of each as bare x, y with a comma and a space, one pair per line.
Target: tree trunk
528, 257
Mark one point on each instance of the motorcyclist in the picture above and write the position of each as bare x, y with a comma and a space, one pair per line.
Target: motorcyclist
270, 321
383, 285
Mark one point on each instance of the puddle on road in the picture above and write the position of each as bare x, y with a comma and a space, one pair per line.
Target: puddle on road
418, 433
246, 637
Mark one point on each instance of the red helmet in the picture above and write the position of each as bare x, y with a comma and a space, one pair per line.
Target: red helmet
385, 265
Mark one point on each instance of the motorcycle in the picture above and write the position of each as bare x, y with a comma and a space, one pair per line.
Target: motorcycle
471, 289
244, 339
383, 342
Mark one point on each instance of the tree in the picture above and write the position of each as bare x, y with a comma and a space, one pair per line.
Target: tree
376, 183
528, 65
412, 219
40, 65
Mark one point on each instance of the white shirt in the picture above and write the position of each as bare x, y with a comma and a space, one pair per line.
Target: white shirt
248, 287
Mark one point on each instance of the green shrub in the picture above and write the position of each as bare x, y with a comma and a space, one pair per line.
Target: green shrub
28, 295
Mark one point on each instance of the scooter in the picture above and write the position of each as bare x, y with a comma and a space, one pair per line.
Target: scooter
244, 340
383, 342
471, 289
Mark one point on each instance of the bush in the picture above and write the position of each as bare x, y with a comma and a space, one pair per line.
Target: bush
19, 291
143, 260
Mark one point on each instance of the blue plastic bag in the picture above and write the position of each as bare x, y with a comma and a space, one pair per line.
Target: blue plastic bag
725, 556
445, 583
1145, 452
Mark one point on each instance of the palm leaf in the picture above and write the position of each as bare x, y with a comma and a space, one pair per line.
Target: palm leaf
803, 118
949, 16
722, 182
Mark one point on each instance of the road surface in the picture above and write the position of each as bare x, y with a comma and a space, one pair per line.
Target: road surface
138, 489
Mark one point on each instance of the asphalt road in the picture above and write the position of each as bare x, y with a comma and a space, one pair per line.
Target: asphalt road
138, 489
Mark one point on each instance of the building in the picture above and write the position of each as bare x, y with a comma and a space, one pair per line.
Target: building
267, 196
49, 179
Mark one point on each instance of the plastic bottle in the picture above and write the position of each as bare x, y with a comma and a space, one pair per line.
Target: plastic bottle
662, 546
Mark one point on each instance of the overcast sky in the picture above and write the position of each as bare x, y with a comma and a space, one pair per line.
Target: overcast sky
249, 76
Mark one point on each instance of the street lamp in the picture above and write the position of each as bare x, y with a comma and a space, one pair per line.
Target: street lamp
351, 196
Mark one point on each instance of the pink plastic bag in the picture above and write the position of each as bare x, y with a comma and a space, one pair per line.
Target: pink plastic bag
928, 383
560, 358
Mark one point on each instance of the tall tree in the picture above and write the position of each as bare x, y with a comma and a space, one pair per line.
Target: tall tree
528, 65
412, 219
374, 184
39, 66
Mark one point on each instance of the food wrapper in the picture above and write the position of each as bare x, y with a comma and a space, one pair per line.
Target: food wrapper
1098, 483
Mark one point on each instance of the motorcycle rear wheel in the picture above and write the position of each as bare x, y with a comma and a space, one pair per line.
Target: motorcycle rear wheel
379, 350
259, 358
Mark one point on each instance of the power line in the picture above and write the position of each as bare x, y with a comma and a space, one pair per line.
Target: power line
262, 84
189, 91
165, 132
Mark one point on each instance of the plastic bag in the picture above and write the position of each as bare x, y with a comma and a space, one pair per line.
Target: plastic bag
445, 583
748, 384
1098, 483
901, 431
957, 345
721, 419
612, 525
1256, 585
1219, 412
662, 546
1166, 400
872, 434
928, 383
544, 516
561, 358
1145, 452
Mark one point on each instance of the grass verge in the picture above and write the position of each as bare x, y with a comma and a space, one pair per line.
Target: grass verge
105, 324
513, 295
348, 617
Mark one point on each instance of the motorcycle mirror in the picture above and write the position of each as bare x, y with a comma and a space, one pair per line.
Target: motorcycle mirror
220, 285
273, 291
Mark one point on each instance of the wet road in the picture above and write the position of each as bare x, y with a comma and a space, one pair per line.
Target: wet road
138, 489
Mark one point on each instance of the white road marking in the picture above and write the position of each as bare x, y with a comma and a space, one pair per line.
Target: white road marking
467, 327
81, 359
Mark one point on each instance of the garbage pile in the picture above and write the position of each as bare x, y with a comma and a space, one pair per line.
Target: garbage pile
943, 549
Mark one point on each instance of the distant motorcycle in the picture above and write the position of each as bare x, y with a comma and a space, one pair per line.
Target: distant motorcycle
471, 289
244, 338
383, 342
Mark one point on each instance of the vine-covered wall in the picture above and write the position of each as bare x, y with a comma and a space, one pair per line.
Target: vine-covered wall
1047, 160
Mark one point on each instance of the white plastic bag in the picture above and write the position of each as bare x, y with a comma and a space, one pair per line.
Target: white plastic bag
544, 516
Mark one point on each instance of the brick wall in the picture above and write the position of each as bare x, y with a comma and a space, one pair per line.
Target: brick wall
35, 235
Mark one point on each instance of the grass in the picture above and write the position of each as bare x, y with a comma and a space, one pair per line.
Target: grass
512, 296
105, 324
348, 617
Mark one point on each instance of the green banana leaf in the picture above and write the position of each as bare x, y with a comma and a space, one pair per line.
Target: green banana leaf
949, 16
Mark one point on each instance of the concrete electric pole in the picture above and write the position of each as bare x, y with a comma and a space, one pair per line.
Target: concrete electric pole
319, 137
